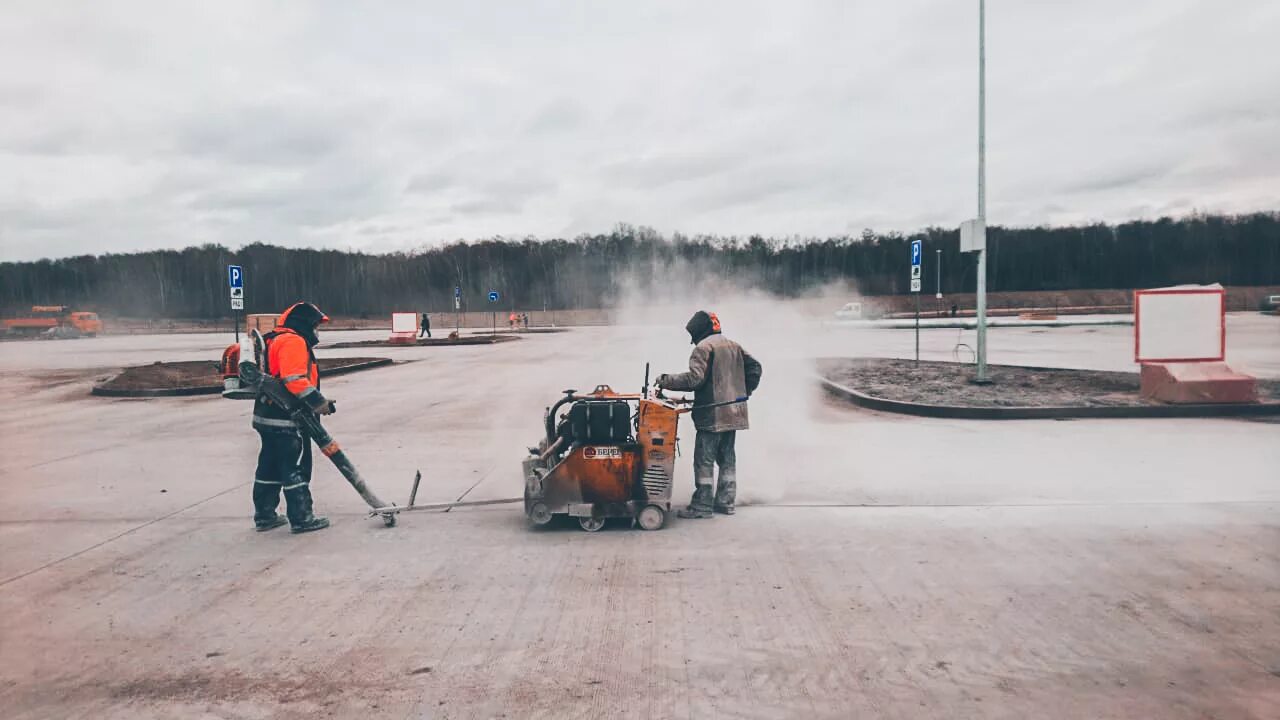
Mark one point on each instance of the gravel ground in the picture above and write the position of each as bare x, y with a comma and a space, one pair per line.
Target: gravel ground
942, 383
196, 373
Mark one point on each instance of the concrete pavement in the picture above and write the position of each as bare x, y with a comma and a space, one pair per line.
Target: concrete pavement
1030, 569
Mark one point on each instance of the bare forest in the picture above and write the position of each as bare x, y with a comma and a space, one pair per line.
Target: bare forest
584, 272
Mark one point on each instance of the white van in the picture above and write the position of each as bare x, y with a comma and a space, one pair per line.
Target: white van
850, 311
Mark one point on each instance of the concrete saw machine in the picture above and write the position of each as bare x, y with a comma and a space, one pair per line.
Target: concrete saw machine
609, 455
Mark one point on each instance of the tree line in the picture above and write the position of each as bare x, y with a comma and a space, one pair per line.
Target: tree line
586, 272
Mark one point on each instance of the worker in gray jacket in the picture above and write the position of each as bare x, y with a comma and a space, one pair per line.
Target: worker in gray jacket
721, 376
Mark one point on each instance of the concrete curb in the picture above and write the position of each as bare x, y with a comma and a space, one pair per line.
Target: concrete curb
468, 341
1044, 413
216, 389
995, 322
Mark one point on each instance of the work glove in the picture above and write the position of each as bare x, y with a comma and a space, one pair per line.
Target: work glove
318, 403
662, 380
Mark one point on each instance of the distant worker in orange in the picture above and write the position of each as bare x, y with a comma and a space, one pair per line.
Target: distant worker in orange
511, 321
284, 463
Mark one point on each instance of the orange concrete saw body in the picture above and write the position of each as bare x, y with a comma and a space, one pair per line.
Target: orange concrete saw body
610, 456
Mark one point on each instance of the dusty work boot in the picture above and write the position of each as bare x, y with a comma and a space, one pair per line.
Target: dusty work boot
700, 506
298, 500
272, 524
266, 497
726, 492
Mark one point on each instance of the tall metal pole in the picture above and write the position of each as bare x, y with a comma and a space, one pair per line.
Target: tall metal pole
982, 188
937, 285
917, 329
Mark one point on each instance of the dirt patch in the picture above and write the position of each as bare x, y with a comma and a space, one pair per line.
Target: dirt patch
428, 342
204, 374
940, 383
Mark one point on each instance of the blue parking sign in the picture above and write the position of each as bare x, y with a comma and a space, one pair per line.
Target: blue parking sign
457, 291
235, 276
915, 252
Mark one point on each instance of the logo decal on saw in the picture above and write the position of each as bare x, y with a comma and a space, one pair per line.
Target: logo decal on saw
601, 453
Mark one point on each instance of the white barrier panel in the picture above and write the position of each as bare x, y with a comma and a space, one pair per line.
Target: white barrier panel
1180, 324
404, 322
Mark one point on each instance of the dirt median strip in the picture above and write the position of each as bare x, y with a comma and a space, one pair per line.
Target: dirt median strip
937, 389
200, 377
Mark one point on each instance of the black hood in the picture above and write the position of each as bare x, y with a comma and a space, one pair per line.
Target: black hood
702, 325
303, 318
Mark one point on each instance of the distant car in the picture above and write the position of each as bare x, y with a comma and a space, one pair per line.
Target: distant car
850, 311
1271, 303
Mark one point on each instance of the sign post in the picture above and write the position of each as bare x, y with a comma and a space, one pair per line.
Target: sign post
493, 300
937, 284
917, 254
457, 309
235, 280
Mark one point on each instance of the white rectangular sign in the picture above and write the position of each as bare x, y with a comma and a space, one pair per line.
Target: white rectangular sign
915, 271
973, 236
237, 292
1180, 324
237, 303
915, 284
404, 322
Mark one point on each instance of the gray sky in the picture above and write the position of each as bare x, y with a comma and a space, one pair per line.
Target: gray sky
383, 125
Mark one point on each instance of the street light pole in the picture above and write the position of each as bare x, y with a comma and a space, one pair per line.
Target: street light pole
982, 189
937, 284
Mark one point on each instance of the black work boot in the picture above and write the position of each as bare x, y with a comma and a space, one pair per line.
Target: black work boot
700, 506
298, 501
266, 498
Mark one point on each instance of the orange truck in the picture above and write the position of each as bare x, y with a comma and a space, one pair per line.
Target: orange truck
57, 320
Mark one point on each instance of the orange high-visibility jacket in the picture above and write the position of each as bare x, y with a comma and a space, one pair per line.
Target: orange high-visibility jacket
289, 359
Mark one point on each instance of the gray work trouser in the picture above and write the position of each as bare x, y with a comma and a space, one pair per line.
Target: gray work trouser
711, 449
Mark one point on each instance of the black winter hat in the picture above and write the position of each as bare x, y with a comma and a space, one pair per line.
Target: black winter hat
702, 325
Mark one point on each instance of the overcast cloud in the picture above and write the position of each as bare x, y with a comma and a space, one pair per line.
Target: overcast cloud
379, 126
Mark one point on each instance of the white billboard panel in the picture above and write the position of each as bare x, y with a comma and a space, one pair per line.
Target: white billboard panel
404, 322
1180, 324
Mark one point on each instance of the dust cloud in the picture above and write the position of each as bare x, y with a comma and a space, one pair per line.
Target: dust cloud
787, 439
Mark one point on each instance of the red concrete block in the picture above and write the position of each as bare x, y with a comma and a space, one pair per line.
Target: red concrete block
1197, 382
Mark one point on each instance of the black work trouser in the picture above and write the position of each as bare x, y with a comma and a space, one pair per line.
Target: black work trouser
284, 463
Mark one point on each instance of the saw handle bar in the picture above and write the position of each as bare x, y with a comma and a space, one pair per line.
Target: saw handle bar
689, 401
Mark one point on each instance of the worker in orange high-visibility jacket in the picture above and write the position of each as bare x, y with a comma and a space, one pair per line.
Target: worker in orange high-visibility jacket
284, 463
